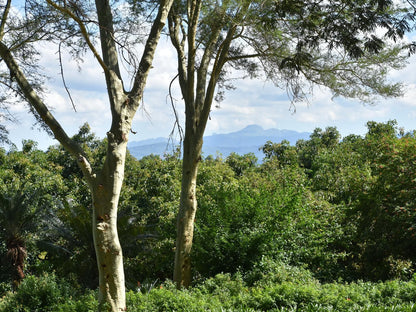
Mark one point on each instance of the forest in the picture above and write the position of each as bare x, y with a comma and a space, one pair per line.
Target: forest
325, 225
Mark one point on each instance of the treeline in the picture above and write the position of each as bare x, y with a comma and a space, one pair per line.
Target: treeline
339, 209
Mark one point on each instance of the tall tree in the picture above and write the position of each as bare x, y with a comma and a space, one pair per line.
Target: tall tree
81, 24
295, 44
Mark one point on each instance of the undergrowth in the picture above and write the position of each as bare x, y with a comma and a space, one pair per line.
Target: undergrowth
280, 288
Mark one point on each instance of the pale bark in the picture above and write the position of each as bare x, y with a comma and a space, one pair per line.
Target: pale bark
105, 184
105, 196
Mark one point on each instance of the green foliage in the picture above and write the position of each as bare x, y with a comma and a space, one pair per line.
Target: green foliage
268, 212
269, 271
239, 164
68, 242
319, 140
147, 217
386, 208
282, 152
372, 181
292, 289
281, 232
30, 188
47, 293
169, 299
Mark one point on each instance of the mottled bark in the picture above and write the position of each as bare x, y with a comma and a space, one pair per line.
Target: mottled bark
106, 194
187, 209
105, 184
198, 85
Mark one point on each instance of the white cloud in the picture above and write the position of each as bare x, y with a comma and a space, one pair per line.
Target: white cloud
253, 102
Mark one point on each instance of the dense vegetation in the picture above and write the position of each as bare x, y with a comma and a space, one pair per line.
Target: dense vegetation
326, 225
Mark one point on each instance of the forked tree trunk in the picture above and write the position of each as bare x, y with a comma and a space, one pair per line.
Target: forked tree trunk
187, 209
198, 84
106, 185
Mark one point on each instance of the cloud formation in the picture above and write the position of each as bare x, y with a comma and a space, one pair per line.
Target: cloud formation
253, 102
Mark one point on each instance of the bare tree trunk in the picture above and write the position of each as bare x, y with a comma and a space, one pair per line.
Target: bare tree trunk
187, 209
106, 193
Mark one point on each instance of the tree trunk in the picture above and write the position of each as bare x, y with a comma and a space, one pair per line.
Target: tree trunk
187, 209
106, 185
106, 193
16, 252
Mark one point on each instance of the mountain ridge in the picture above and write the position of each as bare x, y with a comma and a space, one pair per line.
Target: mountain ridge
246, 140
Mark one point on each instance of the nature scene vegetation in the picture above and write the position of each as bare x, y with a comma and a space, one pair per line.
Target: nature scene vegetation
324, 225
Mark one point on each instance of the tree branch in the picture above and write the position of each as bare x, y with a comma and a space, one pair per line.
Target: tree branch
4, 18
83, 30
177, 123
175, 23
150, 48
63, 77
35, 101
193, 17
219, 62
203, 68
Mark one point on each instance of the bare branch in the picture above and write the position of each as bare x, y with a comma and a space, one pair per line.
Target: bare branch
219, 62
175, 24
150, 47
83, 30
63, 76
35, 101
177, 123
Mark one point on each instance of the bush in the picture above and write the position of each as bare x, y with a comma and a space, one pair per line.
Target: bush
270, 213
281, 288
167, 298
271, 271
47, 293
297, 291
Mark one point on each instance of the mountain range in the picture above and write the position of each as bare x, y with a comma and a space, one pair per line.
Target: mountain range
247, 140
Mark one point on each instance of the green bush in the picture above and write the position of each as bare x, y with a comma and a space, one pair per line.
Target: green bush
85, 303
47, 293
271, 271
167, 298
280, 288
269, 212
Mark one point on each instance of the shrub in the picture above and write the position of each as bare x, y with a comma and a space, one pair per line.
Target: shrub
47, 293
271, 271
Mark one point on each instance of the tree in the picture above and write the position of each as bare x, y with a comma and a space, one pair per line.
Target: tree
78, 26
27, 190
318, 140
295, 44
241, 163
18, 216
68, 239
3, 135
385, 210
283, 152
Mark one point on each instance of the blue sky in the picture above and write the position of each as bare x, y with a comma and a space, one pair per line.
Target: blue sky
253, 102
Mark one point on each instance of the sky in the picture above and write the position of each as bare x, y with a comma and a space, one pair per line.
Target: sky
252, 102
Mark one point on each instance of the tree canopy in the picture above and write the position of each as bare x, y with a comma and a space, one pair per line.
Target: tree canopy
295, 44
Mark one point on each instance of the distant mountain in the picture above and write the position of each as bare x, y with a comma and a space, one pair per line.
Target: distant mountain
247, 140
